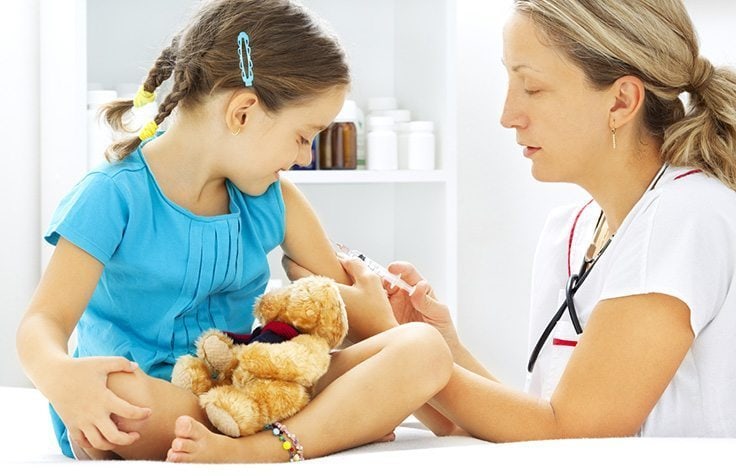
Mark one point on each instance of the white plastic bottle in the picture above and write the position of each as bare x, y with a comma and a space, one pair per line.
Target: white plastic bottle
420, 144
382, 144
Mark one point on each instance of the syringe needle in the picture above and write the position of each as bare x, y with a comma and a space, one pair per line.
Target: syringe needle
393, 279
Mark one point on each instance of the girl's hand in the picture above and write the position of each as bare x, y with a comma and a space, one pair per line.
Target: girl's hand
367, 304
422, 305
88, 408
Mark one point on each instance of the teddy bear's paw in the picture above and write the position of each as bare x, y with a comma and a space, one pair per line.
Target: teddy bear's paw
233, 410
218, 353
222, 420
192, 374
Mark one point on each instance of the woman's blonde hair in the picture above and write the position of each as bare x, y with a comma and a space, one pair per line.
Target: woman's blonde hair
294, 59
655, 41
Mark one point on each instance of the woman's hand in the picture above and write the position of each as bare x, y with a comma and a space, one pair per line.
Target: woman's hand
88, 408
422, 305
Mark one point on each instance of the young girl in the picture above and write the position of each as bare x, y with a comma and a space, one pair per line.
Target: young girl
170, 238
633, 315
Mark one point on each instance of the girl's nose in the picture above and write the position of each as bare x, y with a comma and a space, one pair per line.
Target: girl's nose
304, 157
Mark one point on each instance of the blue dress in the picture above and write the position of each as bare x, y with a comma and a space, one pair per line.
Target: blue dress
169, 274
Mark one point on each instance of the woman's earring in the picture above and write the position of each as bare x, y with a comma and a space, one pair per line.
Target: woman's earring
613, 135
238, 132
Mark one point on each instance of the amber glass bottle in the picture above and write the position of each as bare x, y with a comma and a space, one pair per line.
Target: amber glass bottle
338, 144
344, 145
325, 150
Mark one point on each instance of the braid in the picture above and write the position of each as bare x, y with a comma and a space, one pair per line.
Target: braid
182, 85
163, 67
115, 111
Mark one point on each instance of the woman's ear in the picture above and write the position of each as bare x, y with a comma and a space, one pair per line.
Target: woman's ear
629, 93
240, 106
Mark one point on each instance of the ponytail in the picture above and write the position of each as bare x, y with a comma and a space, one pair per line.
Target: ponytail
706, 137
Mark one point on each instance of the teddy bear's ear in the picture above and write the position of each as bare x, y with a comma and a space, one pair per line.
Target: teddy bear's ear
269, 306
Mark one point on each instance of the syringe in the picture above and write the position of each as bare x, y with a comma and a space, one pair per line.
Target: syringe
393, 279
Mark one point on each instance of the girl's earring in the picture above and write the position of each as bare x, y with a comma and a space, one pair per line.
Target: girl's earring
238, 132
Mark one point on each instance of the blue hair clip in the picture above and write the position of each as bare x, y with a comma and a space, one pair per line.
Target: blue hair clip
244, 44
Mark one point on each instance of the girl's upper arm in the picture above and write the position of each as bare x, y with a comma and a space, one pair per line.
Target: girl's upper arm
631, 349
67, 285
305, 241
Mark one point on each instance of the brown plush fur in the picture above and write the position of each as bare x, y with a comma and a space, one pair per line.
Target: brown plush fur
244, 387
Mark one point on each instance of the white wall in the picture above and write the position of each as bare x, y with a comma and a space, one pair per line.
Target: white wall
19, 181
501, 208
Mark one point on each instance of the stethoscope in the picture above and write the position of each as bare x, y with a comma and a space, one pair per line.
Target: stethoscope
575, 281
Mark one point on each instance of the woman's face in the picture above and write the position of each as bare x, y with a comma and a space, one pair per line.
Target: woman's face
560, 120
271, 142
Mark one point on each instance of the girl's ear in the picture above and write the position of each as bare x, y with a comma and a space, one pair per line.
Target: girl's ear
240, 106
629, 94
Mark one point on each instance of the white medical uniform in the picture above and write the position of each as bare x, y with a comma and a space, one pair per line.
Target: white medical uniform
679, 240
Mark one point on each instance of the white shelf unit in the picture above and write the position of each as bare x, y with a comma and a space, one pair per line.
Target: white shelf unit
365, 176
396, 48
402, 49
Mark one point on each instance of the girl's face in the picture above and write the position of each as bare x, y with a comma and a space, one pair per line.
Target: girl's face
560, 120
271, 142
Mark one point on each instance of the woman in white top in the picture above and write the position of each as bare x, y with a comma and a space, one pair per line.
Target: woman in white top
594, 98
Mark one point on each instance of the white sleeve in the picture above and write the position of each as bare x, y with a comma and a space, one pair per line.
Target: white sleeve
677, 246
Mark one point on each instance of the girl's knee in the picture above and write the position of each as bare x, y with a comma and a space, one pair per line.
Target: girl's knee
422, 348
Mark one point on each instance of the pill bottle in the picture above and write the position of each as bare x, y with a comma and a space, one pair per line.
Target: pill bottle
381, 144
420, 145
324, 149
344, 137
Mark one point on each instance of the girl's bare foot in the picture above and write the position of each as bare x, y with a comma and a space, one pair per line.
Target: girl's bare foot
195, 443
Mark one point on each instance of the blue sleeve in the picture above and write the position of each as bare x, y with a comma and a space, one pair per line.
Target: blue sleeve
268, 214
93, 216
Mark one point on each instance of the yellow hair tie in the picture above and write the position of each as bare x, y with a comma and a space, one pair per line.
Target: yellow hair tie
143, 97
148, 131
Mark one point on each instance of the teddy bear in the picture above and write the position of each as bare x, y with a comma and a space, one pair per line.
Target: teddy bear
245, 382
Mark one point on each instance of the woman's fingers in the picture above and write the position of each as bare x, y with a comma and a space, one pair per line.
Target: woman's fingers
423, 301
407, 271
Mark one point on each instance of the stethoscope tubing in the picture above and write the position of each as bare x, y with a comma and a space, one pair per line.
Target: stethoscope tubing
573, 284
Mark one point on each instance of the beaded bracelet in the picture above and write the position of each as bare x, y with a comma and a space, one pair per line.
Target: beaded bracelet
288, 441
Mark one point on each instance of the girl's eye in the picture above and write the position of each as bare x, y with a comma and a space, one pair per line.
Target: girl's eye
531, 92
303, 141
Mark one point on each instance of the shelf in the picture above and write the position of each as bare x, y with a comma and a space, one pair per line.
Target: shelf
366, 176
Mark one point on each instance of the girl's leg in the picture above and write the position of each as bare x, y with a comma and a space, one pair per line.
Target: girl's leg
370, 388
166, 401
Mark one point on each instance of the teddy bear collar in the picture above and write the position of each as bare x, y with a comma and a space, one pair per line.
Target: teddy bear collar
272, 333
